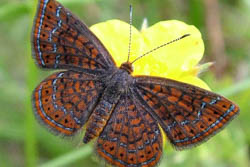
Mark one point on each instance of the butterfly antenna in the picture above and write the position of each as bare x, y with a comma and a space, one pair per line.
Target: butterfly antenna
147, 53
130, 30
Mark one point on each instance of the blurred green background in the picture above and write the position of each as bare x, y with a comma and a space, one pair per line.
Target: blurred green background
225, 26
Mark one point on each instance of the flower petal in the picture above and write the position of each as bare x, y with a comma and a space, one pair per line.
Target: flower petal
114, 34
177, 57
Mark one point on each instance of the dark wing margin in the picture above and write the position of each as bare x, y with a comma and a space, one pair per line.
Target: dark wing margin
131, 137
64, 101
189, 115
61, 41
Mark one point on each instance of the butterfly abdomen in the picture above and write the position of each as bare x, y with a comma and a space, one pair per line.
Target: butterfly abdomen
98, 120
101, 114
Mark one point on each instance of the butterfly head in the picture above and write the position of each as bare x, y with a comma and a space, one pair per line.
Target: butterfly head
127, 66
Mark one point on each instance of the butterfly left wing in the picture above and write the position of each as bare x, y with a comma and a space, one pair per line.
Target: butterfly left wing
64, 101
188, 115
61, 41
131, 136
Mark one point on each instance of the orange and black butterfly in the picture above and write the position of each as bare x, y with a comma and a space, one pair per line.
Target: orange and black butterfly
122, 111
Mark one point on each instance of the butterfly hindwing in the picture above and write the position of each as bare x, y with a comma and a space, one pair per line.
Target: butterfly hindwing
64, 101
131, 136
61, 41
188, 115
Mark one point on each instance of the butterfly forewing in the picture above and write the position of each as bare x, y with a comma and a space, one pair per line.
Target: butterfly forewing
131, 137
188, 115
64, 100
61, 41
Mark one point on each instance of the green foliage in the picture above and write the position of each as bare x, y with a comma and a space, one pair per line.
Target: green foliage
25, 143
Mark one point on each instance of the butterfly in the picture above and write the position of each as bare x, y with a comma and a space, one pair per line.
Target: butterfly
122, 111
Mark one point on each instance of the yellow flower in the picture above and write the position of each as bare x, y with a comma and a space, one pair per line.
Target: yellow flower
178, 61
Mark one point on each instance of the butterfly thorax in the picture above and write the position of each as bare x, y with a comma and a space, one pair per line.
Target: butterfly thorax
116, 86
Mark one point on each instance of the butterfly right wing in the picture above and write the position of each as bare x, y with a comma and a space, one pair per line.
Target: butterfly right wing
61, 41
189, 115
64, 101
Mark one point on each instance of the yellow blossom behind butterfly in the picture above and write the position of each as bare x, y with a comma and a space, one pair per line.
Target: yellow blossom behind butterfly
178, 61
